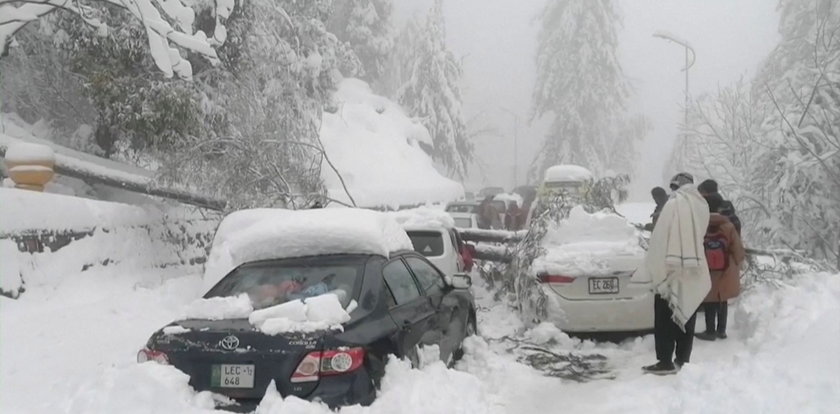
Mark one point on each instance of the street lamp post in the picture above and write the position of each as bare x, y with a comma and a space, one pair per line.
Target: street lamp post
515, 145
688, 64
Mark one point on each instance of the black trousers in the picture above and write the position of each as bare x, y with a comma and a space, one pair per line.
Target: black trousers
668, 335
716, 310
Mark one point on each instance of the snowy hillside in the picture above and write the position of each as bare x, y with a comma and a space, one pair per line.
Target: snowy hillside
376, 148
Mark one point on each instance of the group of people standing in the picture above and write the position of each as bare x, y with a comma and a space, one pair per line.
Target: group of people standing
693, 261
512, 216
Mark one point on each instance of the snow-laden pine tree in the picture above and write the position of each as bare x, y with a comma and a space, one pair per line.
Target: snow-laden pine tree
580, 84
366, 26
800, 153
431, 93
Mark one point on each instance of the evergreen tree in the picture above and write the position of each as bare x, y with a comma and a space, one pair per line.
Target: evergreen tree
431, 93
365, 25
581, 85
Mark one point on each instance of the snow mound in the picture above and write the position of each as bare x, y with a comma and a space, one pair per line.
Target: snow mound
590, 244
376, 148
254, 235
314, 314
21, 152
422, 217
229, 307
566, 173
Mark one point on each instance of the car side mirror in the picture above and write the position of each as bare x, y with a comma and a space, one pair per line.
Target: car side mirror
460, 281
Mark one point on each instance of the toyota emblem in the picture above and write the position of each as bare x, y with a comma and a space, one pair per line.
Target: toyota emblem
230, 343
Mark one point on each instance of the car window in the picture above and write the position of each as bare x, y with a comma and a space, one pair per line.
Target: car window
427, 243
428, 276
400, 282
463, 222
274, 282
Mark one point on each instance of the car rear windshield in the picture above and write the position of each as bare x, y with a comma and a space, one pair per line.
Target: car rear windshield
461, 208
427, 243
463, 222
274, 282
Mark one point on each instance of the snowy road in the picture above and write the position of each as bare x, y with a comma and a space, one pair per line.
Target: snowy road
70, 347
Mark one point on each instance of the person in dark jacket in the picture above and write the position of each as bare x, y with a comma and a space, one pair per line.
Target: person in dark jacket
726, 208
660, 197
726, 280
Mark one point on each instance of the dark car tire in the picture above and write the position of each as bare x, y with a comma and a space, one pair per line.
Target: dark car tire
470, 330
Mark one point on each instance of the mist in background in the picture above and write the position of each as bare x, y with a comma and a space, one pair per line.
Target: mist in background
496, 41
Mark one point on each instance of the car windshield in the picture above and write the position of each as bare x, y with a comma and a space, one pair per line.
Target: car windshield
274, 282
427, 243
463, 222
461, 208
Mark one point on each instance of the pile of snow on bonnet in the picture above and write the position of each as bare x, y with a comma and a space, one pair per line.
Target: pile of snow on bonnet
264, 234
218, 308
376, 148
588, 244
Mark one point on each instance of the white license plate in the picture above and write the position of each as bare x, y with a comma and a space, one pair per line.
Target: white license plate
232, 376
603, 285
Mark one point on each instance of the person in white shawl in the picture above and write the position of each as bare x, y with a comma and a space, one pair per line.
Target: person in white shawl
675, 265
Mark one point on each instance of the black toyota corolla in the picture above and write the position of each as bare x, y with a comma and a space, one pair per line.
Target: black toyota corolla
401, 303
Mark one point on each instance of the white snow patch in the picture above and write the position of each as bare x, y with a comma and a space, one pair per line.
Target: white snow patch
590, 243
175, 330
376, 148
423, 217
317, 313
10, 279
22, 152
279, 235
228, 307
567, 173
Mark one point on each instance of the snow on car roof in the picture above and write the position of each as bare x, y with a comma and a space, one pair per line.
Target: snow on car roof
264, 234
567, 172
423, 218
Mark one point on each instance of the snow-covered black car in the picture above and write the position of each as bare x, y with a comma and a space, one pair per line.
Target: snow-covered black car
318, 327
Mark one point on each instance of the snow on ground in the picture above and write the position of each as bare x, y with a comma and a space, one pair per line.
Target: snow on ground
69, 345
377, 149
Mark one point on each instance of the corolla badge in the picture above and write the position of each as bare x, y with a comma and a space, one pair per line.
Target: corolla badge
230, 343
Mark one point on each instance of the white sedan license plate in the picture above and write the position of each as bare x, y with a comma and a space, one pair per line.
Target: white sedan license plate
603, 285
232, 376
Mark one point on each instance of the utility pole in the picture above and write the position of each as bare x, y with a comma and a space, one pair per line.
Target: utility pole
689, 62
515, 145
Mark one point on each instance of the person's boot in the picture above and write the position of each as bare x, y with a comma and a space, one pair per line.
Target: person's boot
723, 315
707, 336
661, 368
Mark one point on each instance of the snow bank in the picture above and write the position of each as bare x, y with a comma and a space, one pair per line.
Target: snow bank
230, 307
566, 173
277, 234
314, 314
588, 244
376, 148
22, 210
22, 152
10, 280
423, 217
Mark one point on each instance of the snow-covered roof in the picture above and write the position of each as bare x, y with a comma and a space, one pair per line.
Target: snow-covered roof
264, 234
508, 197
423, 217
567, 172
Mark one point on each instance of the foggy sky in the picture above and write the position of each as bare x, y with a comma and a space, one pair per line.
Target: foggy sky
496, 40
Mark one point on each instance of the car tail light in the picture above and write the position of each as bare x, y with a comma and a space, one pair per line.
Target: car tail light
547, 278
146, 354
326, 363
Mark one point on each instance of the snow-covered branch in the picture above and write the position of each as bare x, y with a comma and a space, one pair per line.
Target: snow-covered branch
173, 27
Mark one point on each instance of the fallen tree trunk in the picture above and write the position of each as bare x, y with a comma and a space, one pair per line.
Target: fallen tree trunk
492, 236
499, 254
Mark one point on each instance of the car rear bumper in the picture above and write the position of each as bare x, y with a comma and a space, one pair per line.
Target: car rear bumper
601, 315
337, 391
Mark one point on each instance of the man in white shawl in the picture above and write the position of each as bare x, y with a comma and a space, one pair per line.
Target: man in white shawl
675, 265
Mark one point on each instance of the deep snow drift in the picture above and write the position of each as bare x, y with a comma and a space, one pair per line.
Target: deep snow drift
70, 345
